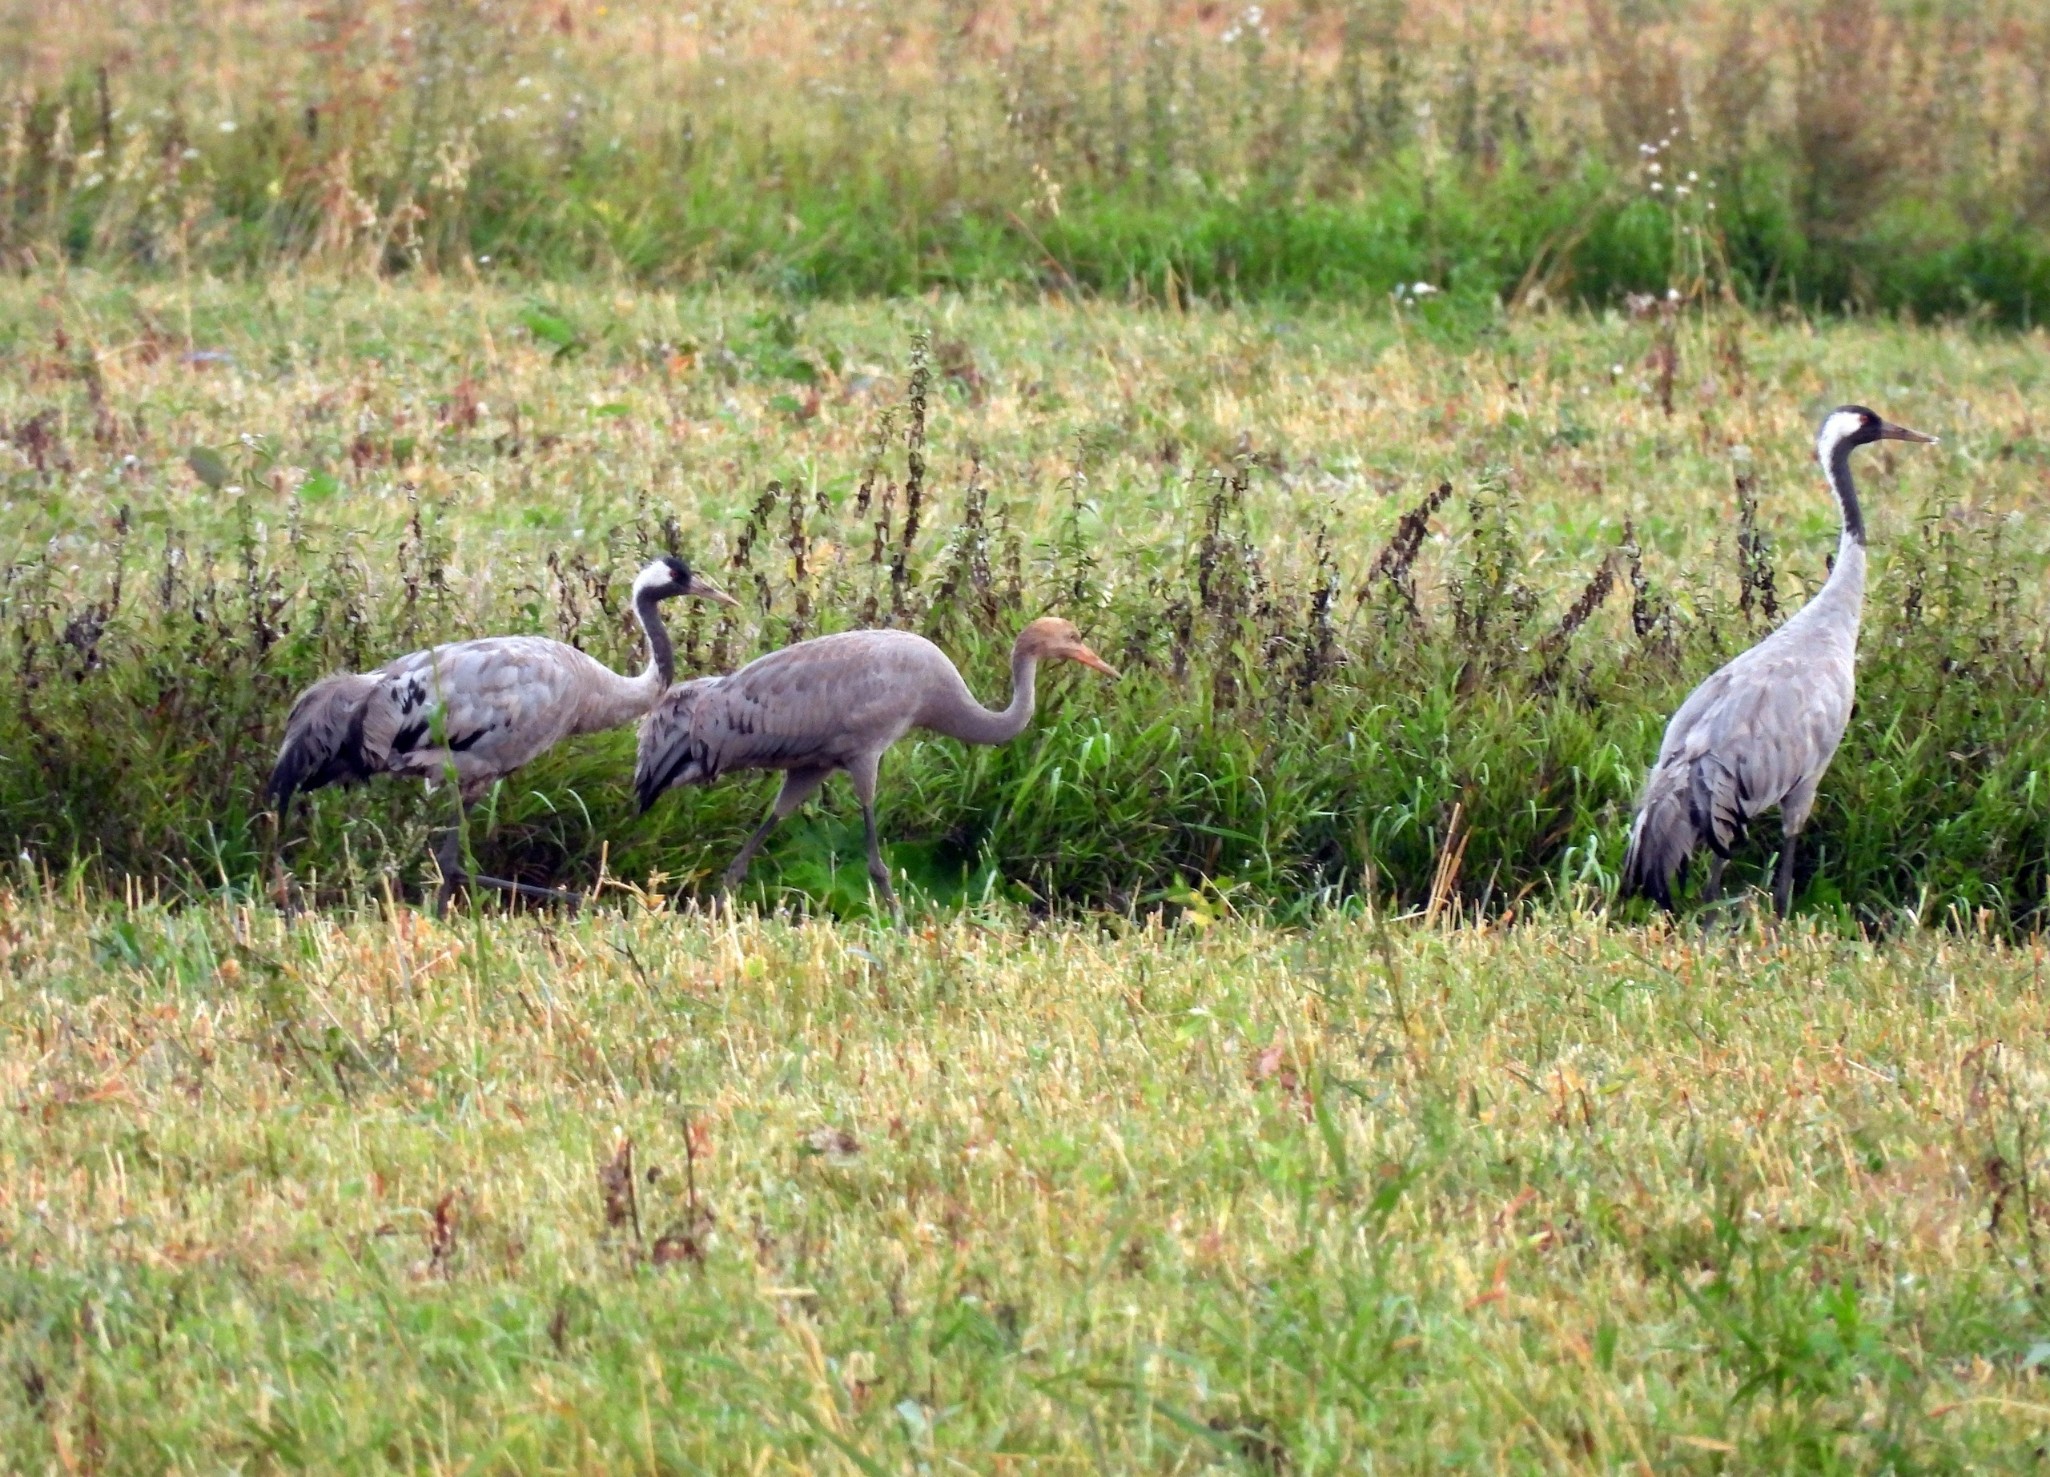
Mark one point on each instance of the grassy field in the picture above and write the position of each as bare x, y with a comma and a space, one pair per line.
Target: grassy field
1267, 1078
214, 494
672, 1193
1824, 153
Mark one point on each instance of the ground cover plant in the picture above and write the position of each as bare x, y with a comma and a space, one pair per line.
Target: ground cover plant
358, 1191
1402, 605
1829, 152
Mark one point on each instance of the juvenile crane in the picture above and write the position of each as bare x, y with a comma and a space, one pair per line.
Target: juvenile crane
835, 702
476, 709
1760, 732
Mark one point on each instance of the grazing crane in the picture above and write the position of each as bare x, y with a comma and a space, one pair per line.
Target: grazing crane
1760, 732
477, 710
834, 702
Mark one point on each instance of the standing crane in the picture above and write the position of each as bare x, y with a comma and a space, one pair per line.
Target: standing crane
475, 711
835, 702
1761, 732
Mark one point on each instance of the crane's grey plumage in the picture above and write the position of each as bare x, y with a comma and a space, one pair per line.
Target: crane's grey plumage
1761, 732
834, 702
475, 709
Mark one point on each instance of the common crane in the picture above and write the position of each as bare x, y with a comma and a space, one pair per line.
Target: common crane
1761, 731
475, 710
835, 702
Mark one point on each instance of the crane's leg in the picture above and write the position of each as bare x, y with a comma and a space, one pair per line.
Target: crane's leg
1783, 877
863, 774
1794, 809
1712, 884
448, 855
799, 785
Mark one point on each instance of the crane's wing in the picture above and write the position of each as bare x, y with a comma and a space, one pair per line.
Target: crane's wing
814, 705
670, 749
1757, 734
1762, 729
488, 706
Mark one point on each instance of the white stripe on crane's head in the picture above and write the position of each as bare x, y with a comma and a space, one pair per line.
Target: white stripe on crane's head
667, 574
1850, 423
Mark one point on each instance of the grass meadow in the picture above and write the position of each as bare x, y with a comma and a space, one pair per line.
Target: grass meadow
1414, 402
1267, 1078
359, 1191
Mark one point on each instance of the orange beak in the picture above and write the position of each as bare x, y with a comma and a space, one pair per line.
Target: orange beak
1080, 653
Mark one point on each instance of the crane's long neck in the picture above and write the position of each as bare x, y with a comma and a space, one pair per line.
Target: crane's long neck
1837, 467
1846, 581
972, 723
623, 699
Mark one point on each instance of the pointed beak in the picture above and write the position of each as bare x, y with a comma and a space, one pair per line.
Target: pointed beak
1888, 431
704, 589
1089, 658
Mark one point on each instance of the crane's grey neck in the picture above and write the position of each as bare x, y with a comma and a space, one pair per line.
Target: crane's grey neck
661, 652
1834, 450
972, 723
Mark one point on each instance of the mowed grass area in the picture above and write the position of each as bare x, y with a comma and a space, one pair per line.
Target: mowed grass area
1095, 1165
650, 1191
1338, 681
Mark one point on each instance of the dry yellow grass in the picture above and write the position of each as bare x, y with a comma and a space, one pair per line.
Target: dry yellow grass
335, 1193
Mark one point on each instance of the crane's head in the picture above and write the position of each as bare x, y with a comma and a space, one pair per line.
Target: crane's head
665, 577
1052, 639
1854, 425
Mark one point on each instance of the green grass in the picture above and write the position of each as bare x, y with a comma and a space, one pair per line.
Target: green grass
1837, 153
334, 1193
1209, 494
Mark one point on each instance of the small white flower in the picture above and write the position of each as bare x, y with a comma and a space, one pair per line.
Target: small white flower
227, 125
1657, 188
1421, 289
1657, 168
1692, 177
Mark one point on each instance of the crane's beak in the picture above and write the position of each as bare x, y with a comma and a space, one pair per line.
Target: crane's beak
704, 589
1088, 658
1888, 431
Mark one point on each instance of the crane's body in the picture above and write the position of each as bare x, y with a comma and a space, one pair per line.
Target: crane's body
834, 703
473, 710
1760, 733
476, 709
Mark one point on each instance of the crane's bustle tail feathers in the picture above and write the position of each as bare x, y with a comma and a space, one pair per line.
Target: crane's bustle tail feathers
323, 739
1712, 805
668, 753
1662, 838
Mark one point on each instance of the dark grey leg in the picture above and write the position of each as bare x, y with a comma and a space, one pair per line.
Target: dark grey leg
1783, 878
448, 855
1712, 884
799, 785
863, 773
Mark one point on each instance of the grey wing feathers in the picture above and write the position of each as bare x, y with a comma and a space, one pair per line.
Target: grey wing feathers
1757, 734
671, 749
817, 704
487, 707
323, 739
